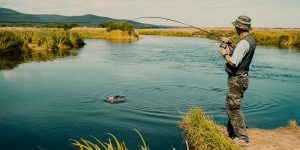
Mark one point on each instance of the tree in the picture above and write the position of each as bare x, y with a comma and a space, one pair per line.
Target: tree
124, 26
67, 26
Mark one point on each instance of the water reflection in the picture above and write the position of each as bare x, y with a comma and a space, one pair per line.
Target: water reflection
12, 61
47, 104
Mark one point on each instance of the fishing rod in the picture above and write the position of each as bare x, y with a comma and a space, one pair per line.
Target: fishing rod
168, 19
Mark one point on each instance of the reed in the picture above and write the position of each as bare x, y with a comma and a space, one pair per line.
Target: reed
293, 124
103, 33
280, 37
165, 32
37, 39
10, 42
203, 134
114, 144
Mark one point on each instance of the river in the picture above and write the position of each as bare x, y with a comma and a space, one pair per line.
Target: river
45, 104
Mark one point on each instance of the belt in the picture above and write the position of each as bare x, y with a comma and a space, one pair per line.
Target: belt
243, 75
239, 75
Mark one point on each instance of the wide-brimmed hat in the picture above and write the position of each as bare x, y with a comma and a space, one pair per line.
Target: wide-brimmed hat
243, 22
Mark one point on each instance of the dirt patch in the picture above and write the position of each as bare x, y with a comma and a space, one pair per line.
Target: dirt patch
274, 139
283, 138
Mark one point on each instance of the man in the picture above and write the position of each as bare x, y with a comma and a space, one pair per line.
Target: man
237, 67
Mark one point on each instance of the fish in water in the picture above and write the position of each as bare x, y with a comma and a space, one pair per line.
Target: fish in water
115, 99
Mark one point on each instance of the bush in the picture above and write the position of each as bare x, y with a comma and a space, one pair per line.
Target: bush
67, 26
105, 24
124, 26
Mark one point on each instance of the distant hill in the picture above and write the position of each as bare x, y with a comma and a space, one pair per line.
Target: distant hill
13, 17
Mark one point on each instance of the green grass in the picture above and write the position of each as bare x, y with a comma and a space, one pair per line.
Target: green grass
10, 42
203, 134
19, 45
28, 40
124, 26
114, 144
23, 44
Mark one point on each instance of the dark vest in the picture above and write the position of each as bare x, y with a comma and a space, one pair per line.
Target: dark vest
243, 67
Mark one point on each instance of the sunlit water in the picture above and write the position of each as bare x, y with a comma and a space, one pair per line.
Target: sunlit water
43, 105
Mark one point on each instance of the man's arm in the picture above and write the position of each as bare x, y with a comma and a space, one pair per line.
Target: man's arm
231, 47
238, 53
227, 57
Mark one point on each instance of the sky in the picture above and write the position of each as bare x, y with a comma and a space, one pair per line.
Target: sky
202, 13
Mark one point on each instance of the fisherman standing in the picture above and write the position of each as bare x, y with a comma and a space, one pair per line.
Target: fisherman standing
237, 66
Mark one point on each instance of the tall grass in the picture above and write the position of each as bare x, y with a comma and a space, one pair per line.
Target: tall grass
10, 42
203, 134
37, 39
114, 144
264, 36
19, 45
165, 32
103, 33
293, 124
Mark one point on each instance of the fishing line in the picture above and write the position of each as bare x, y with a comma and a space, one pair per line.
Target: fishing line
168, 19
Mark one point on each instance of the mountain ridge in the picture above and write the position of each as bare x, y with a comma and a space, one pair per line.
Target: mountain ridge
14, 17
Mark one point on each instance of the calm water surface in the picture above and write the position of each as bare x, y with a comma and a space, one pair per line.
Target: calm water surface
44, 104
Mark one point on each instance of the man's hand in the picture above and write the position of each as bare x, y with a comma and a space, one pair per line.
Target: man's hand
223, 45
225, 40
223, 52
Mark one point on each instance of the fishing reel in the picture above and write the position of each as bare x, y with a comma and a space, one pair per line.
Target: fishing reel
223, 45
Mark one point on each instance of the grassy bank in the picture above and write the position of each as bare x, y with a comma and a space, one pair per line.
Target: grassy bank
23, 44
203, 134
102, 33
264, 36
19, 45
15, 40
32, 40
167, 32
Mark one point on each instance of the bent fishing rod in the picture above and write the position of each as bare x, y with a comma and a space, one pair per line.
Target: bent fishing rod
168, 19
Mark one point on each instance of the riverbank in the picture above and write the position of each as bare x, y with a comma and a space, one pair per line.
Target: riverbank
24, 44
281, 37
29, 40
202, 133
102, 33
19, 45
22, 39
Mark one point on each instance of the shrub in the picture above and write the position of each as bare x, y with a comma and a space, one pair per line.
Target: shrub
124, 26
105, 24
67, 26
